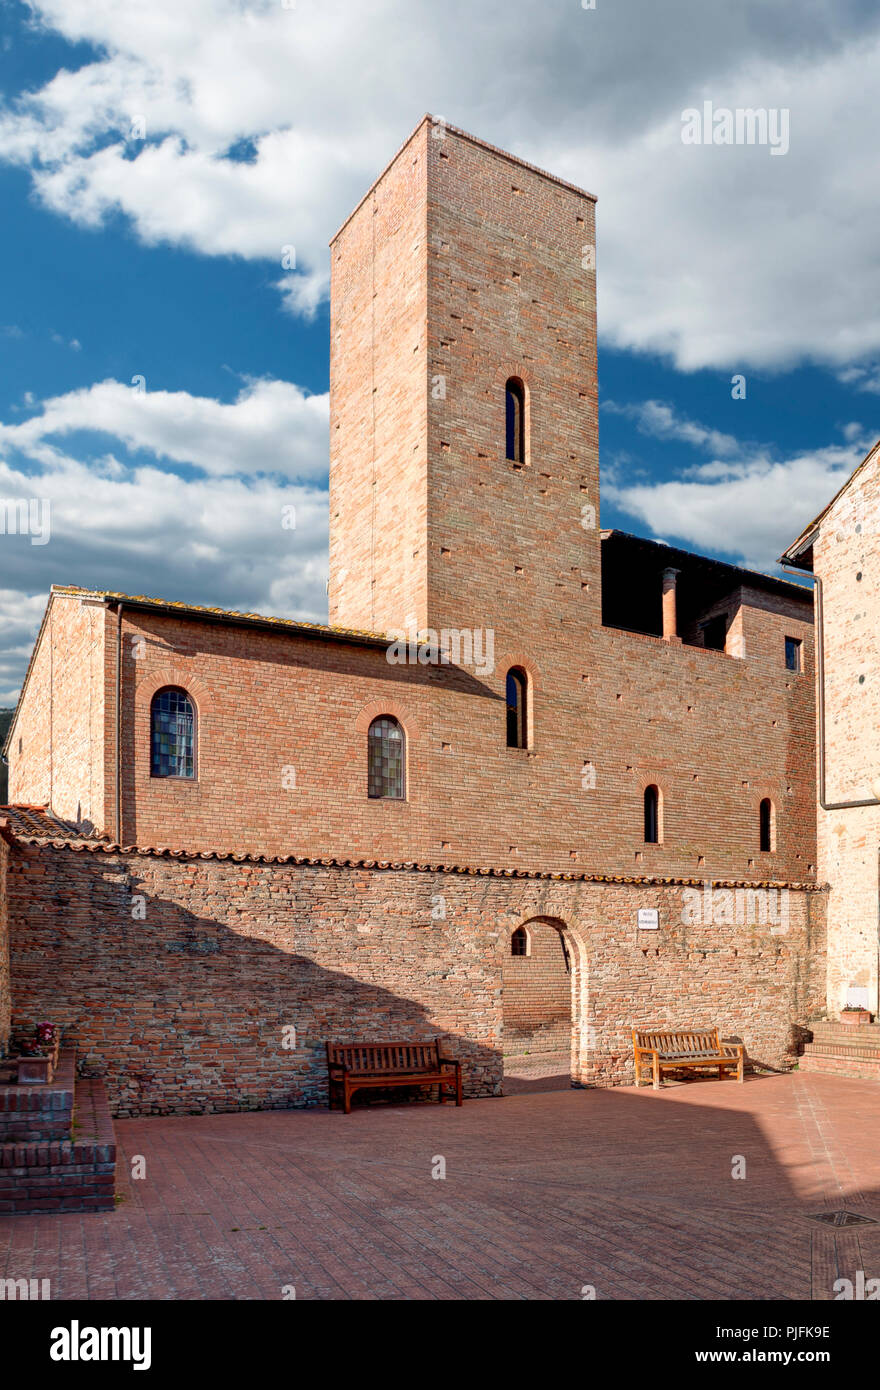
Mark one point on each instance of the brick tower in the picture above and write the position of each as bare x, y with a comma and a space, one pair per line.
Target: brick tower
463, 268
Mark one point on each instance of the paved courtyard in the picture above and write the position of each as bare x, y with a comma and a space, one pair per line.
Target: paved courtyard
548, 1192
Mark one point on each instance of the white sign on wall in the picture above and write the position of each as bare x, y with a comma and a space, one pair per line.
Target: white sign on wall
649, 918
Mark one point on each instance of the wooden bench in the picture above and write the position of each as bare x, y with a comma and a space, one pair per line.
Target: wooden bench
683, 1050
355, 1066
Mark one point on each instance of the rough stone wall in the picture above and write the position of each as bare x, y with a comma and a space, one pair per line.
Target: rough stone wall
57, 747
847, 559
176, 978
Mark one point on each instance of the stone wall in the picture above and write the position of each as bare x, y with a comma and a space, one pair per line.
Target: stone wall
847, 559
180, 978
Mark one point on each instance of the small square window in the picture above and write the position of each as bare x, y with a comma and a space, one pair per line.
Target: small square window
793, 647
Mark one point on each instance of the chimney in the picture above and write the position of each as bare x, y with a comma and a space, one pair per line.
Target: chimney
670, 620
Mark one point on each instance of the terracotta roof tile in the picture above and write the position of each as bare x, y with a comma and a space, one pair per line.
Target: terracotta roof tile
38, 822
294, 625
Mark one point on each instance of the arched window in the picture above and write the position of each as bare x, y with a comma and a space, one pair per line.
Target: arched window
515, 406
766, 825
516, 708
519, 942
652, 815
386, 759
172, 734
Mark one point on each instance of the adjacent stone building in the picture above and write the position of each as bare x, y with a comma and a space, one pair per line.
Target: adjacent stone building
535, 783
841, 548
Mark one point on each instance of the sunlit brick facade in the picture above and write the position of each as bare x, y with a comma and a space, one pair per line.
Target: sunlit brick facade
842, 548
642, 667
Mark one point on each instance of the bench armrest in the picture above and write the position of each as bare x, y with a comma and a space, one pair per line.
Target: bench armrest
449, 1062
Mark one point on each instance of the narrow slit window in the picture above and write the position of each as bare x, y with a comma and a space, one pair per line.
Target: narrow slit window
386, 760
519, 942
652, 815
516, 709
172, 734
515, 404
766, 826
793, 647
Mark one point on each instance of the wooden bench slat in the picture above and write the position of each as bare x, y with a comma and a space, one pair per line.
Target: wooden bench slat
390, 1064
679, 1049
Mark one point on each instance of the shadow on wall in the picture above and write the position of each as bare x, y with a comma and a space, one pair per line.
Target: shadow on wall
179, 1013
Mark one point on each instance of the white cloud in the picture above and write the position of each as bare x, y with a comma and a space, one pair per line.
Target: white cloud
749, 508
203, 521
660, 421
301, 294
272, 427
719, 256
862, 378
20, 615
220, 541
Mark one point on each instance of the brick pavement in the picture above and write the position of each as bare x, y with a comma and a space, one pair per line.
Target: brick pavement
546, 1191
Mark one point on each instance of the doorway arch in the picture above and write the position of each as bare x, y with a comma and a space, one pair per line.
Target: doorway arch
543, 1008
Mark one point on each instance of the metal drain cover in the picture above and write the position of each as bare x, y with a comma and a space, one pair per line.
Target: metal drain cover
843, 1218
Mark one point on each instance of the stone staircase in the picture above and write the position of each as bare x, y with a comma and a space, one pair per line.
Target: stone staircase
838, 1049
57, 1145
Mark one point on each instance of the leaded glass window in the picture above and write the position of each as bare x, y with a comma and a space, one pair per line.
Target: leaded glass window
386, 759
172, 734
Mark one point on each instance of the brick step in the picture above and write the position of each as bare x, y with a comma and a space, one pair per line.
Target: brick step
866, 1070
77, 1173
842, 1049
39, 1112
827, 1028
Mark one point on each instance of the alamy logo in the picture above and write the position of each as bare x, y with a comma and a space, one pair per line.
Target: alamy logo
864, 1290
26, 516
25, 1289
451, 646
743, 126
726, 907
75, 1343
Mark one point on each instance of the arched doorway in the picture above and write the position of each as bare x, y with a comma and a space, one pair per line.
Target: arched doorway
541, 980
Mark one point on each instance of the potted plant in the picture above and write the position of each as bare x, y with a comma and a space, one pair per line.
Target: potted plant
38, 1055
854, 1015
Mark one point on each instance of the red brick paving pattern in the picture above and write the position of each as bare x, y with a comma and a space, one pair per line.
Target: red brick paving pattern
546, 1191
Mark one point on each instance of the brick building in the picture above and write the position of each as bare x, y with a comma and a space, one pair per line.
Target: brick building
443, 811
841, 548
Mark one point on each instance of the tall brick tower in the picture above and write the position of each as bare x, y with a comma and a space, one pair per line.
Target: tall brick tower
463, 268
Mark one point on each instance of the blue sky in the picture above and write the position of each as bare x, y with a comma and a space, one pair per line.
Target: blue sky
156, 160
